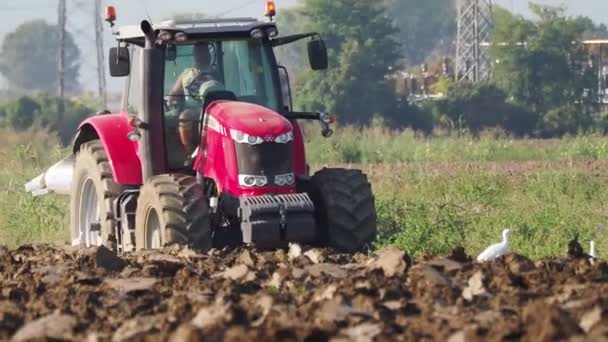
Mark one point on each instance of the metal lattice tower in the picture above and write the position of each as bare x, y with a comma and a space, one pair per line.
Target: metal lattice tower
474, 26
82, 19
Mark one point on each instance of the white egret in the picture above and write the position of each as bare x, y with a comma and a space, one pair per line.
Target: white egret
294, 251
496, 250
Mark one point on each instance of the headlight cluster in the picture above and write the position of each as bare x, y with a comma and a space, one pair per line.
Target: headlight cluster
258, 33
284, 138
249, 181
244, 138
286, 179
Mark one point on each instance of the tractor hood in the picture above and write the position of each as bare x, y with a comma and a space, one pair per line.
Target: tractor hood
249, 118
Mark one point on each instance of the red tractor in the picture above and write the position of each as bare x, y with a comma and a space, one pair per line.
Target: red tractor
206, 149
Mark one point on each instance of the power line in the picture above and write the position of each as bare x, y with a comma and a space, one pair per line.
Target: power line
143, 4
89, 35
232, 9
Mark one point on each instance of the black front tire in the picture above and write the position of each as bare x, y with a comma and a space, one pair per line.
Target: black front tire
92, 176
344, 208
177, 206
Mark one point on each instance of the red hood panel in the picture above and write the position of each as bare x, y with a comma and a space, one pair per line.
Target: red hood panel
249, 118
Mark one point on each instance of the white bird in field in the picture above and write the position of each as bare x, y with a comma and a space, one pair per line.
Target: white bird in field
592, 252
294, 251
496, 250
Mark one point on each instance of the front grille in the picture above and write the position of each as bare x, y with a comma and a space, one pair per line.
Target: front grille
267, 159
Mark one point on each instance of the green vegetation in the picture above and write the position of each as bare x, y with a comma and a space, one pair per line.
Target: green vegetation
23, 218
432, 208
446, 192
460, 187
379, 144
542, 84
361, 56
42, 111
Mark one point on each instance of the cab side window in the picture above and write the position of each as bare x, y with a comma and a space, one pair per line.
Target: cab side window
133, 103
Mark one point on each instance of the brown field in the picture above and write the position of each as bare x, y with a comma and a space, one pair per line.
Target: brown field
243, 294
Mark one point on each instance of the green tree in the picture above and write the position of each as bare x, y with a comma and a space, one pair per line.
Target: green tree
426, 28
540, 68
29, 58
291, 56
20, 114
362, 53
476, 106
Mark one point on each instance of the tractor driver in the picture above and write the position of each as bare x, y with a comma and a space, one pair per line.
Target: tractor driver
187, 98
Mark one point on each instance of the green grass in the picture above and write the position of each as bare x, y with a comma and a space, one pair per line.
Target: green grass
431, 194
379, 144
432, 211
24, 218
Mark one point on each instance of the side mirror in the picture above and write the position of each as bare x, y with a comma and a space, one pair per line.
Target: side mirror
120, 62
317, 54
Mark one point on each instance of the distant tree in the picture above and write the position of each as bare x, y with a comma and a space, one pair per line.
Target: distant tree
592, 29
540, 68
476, 106
426, 28
362, 53
29, 58
41, 111
20, 114
291, 56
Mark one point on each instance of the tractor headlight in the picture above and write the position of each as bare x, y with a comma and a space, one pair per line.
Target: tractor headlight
257, 33
244, 138
286, 179
250, 181
272, 32
284, 138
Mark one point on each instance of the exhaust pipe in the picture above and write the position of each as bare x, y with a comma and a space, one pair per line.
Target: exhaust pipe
57, 179
152, 142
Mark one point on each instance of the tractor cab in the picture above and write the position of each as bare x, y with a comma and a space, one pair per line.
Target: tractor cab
197, 63
206, 150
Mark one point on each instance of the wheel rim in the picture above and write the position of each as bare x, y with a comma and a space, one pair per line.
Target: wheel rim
89, 214
153, 230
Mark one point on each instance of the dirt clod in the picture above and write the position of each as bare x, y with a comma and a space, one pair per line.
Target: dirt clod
391, 261
105, 258
54, 326
475, 287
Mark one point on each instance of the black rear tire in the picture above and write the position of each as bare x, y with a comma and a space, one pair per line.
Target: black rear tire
344, 208
177, 207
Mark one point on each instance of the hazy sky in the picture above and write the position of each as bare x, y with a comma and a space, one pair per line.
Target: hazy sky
13, 12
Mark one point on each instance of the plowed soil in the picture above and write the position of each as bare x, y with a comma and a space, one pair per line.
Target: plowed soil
248, 295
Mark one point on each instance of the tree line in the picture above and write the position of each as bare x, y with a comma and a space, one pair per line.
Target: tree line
543, 82
546, 87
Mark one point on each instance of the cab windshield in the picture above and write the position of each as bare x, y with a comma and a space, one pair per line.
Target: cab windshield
242, 67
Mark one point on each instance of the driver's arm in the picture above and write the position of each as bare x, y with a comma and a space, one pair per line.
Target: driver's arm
178, 88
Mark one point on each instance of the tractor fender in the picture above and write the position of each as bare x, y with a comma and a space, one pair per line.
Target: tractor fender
112, 131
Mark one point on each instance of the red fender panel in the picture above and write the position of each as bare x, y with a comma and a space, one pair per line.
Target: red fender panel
112, 130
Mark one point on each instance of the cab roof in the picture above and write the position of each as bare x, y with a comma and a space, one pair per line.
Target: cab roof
197, 29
